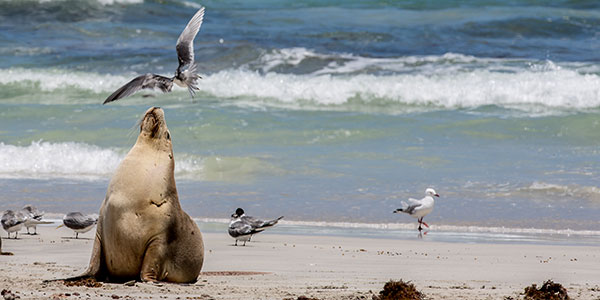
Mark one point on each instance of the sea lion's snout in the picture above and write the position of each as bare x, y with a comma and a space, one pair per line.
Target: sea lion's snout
153, 117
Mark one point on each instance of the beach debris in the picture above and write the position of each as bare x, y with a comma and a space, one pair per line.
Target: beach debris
8, 295
549, 291
399, 290
231, 273
86, 281
129, 283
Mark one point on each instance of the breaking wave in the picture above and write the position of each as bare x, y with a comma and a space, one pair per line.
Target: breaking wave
80, 161
288, 78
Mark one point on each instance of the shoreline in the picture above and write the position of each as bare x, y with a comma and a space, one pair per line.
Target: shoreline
277, 266
408, 231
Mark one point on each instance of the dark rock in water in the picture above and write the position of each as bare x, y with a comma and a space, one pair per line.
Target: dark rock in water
549, 291
399, 290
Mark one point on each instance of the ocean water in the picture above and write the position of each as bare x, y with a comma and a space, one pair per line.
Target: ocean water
326, 112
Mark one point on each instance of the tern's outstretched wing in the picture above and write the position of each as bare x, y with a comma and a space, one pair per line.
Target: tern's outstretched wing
146, 81
185, 42
76, 220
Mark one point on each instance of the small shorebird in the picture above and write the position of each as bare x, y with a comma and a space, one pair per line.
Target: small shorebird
33, 217
185, 75
78, 222
12, 222
419, 208
242, 227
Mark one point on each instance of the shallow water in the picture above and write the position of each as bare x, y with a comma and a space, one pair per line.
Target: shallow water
306, 112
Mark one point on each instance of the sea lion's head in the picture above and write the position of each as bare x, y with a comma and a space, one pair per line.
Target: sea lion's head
153, 128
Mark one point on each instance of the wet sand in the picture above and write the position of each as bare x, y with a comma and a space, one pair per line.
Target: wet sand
275, 266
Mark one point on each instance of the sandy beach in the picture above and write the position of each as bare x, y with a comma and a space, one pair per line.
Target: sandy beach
275, 266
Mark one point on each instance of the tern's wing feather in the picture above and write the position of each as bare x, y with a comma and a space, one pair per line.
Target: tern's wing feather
257, 223
10, 219
146, 81
78, 221
252, 221
185, 42
240, 228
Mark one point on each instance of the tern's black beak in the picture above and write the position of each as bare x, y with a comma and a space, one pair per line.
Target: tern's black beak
437, 195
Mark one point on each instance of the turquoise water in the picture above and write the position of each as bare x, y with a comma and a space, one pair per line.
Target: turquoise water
319, 111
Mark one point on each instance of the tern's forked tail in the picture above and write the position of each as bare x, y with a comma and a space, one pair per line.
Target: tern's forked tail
190, 78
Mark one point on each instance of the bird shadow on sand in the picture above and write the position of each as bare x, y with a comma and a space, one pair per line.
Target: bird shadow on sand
74, 238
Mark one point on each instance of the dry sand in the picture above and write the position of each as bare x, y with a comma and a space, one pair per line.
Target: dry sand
276, 266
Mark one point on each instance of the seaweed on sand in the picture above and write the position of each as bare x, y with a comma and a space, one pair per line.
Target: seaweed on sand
399, 290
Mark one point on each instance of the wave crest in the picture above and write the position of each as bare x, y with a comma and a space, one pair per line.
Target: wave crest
288, 78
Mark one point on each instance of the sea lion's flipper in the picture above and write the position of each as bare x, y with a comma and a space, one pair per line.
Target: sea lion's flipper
97, 267
153, 268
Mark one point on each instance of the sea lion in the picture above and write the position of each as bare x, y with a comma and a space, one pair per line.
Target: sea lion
142, 232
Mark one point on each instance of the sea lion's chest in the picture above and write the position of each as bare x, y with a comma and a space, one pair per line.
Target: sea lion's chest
137, 208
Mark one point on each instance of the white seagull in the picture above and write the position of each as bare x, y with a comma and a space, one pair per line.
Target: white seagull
78, 222
419, 208
185, 75
12, 222
242, 227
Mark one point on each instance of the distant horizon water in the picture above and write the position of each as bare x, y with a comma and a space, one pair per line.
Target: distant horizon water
308, 113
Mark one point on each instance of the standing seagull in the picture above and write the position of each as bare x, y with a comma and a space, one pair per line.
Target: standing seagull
33, 217
185, 75
78, 222
242, 227
419, 208
12, 222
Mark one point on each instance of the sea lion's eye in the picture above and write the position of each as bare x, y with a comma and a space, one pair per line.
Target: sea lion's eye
168, 136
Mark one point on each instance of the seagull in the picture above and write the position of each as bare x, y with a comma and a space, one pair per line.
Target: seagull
78, 222
419, 208
185, 75
33, 217
12, 222
242, 227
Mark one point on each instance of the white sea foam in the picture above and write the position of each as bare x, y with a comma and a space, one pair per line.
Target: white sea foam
81, 161
54, 79
450, 81
559, 88
44, 160
433, 227
559, 191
